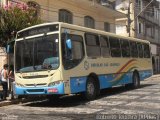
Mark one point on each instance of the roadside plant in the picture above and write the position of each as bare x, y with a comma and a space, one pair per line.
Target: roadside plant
15, 17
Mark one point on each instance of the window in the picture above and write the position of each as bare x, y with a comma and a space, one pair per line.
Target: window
77, 45
72, 56
140, 27
115, 47
89, 22
125, 48
35, 6
107, 27
146, 51
105, 51
35, 54
140, 50
92, 45
134, 50
65, 16
139, 4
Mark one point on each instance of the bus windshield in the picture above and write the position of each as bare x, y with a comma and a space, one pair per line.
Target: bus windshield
35, 54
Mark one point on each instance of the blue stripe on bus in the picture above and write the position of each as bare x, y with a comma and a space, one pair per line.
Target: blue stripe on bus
106, 80
78, 84
38, 90
145, 74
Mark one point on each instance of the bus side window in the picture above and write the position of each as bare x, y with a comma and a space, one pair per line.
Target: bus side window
92, 45
125, 48
134, 50
73, 56
115, 47
146, 51
105, 51
140, 50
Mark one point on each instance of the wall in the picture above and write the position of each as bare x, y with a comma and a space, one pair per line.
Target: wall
3, 57
79, 8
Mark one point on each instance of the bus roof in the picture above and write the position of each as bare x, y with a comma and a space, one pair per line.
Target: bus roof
85, 29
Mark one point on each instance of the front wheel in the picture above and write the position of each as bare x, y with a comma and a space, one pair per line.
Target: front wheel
91, 89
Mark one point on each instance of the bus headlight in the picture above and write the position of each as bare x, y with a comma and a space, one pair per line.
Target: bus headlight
19, 85
55, 83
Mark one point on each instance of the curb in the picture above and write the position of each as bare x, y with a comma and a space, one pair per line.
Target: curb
18, 101
15, 101
9, 102
155, 76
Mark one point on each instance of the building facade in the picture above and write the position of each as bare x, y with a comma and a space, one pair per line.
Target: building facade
3, 55
143, 21
88, 13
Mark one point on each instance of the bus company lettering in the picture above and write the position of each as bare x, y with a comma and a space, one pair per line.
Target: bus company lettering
105, 64
115, 64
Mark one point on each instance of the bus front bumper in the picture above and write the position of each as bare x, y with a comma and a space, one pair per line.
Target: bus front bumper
57, 89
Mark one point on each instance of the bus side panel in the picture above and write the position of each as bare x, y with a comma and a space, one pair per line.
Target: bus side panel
145, 74
107, 81
78, 84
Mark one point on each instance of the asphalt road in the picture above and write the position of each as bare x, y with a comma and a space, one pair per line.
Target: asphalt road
113, 104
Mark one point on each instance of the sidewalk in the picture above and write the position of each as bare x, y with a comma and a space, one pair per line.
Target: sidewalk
155, 76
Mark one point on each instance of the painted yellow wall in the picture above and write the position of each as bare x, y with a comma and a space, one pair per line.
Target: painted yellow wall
79, 9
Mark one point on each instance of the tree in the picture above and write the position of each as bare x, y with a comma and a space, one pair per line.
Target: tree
14, 18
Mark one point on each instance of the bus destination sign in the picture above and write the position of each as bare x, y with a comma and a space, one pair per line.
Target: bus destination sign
38, 30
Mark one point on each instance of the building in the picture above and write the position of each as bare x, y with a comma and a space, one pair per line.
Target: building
3, 55
143, 25
98, 14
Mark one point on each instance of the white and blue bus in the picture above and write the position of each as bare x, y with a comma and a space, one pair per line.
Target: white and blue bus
58, 59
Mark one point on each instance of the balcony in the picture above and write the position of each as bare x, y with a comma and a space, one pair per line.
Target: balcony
148, 17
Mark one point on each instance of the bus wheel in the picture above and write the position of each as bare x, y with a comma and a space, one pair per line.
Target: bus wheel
91, 89
136, 81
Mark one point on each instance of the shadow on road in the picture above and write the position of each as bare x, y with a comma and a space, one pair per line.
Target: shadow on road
78, 100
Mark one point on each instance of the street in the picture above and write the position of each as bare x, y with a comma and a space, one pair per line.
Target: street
115, 103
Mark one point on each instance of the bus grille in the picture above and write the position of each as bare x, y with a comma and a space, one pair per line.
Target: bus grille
33, 85
35, 90
38, 76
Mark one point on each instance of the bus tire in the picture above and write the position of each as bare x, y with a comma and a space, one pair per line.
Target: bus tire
136, 80
91, 89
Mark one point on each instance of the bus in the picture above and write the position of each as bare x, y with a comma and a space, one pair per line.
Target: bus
55, 59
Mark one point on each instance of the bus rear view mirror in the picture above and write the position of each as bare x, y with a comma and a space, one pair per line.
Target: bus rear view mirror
8, 48
69, 44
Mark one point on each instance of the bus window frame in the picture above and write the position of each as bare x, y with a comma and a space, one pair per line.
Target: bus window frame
140, 43
108, 46
97, 40
131, 49
63, 44
121, 39
116, 38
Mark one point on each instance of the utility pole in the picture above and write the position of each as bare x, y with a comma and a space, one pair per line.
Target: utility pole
129, 19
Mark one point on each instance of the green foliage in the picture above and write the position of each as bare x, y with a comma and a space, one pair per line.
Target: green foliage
13, 19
